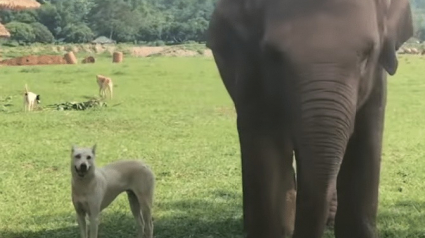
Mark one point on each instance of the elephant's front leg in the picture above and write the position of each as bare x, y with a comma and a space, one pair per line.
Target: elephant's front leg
267, 181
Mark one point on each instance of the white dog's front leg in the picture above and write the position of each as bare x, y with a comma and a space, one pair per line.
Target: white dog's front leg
81, 219
94, 223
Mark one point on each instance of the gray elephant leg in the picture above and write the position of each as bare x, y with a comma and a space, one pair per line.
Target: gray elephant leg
267, 184
267, 174
332, 206
358, 180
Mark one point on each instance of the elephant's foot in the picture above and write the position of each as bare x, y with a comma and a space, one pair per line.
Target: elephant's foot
289, 213
332, 211
331, 221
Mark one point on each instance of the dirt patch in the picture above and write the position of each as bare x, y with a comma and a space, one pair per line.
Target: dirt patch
145, 51
208, 53
177, 52
226, 111
35, 60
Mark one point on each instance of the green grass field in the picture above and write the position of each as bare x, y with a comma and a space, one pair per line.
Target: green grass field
175, 114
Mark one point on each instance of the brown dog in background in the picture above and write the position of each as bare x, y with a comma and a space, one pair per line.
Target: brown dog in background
30, 99
105, 84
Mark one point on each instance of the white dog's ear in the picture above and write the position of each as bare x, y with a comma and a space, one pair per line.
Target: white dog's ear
93, 149
72, 148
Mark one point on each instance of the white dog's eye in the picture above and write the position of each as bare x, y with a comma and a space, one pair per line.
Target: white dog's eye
78, 156
89, 157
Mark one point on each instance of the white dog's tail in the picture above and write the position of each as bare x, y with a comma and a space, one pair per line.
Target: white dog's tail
26, 88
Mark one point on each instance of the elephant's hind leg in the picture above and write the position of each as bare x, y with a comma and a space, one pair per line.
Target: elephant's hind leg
358, 180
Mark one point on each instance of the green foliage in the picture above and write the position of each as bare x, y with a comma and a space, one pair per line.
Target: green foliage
25, 16
42, 33
21, 32
121, 20
171, 21
80, 33
49, 16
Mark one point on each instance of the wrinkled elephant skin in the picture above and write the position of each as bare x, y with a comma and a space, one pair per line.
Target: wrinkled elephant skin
308, 78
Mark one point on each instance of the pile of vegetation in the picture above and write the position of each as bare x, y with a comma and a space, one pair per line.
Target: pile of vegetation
5, 103
79, 106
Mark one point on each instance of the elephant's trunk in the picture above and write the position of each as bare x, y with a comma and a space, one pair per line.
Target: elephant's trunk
325, 122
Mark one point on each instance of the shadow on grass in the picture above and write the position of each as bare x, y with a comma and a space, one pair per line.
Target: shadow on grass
403, 220
190, 218
200, 219
91, 97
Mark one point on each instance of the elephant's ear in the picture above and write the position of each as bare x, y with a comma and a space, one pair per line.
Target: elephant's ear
228, 23
399, 30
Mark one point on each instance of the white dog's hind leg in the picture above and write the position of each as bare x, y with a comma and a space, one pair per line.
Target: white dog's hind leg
136, 210
145, 202
81, 220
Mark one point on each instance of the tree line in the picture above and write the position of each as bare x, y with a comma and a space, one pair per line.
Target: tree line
80, 21
160, 21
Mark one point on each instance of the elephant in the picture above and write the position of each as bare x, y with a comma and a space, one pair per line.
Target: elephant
308, 78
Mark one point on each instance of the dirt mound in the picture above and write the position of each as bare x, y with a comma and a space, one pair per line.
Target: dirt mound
208, 53
35, 60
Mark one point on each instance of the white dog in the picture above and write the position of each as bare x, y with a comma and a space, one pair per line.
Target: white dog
30, 99
105, 84
93, 189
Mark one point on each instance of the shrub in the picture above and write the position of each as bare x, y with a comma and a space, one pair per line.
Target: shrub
21, 32
80, 33
42, 33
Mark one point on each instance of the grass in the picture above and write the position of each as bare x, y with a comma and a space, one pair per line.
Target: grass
175, 114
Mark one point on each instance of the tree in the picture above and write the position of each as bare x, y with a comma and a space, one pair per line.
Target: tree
173, 21
48, 15
79, 33
116, 19
21, 32
42, 33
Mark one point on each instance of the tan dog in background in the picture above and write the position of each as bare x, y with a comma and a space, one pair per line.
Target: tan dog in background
105, 84
30, 99
94, 189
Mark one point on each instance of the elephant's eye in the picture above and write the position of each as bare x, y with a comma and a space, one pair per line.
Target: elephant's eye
363, 66
368, 51
364, 58
271, 53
